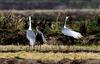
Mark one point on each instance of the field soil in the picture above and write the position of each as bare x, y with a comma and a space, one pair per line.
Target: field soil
64, 61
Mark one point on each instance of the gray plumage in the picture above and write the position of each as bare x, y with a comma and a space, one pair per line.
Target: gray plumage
30, 34
40, 36
31, 37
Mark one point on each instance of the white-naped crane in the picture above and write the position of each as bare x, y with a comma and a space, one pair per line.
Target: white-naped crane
40, 36
69, 32
31, 36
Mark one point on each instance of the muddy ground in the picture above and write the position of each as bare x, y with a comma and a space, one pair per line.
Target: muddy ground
64, 61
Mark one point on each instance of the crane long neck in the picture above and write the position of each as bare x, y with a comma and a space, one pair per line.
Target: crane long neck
30, 23
37, 29
65, 23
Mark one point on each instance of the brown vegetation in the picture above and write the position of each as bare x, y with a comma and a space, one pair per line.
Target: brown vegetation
13, 25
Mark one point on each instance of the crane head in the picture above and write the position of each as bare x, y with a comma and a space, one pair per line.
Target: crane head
37, 28
66, 17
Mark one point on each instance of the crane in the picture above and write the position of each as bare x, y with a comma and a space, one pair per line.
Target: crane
40, 36
30, 34
69, 32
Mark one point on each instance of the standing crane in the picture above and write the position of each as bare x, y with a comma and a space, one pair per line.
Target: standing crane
69, 32
39, 36
30, 34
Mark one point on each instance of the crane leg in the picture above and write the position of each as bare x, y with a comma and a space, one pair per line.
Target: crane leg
39, 46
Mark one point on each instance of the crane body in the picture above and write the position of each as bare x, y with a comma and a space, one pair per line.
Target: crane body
30, 34
69, 32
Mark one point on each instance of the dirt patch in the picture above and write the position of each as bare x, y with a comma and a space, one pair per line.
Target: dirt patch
64, 61
79, 61
17, 61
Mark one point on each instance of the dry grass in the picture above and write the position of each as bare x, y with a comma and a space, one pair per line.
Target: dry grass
37, 53
50, 48
50, 56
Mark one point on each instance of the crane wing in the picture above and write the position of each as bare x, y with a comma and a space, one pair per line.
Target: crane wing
30, 34
75, 34
69, 32
44, 40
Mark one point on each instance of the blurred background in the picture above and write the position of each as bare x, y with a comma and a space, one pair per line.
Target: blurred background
49, 4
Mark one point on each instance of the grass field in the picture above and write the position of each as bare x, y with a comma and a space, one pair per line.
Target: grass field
50, 56
50, 52
51, 48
